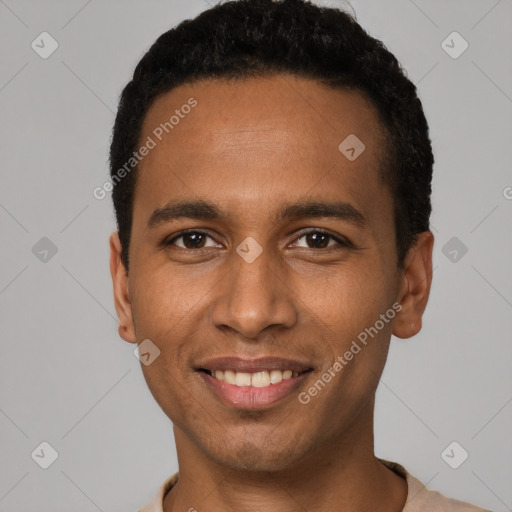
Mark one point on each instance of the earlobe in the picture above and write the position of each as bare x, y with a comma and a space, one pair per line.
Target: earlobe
121, 290
415, 285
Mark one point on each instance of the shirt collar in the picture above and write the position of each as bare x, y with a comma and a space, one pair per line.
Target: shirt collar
415, 489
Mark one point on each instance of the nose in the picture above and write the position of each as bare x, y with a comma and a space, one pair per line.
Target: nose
254, 296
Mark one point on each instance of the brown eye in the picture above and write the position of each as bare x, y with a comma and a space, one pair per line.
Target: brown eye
317, 240
321, 240
191, 240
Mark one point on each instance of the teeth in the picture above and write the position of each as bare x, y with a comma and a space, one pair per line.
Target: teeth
229, 376
242, 379
257, 380
276, 376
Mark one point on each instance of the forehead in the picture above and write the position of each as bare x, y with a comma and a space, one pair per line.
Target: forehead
258, 139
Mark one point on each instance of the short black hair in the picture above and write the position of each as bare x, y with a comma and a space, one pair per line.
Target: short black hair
240, 39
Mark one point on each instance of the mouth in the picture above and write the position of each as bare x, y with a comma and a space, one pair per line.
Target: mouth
260, 379
252, 384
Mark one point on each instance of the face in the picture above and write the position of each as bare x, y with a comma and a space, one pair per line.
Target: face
260, 253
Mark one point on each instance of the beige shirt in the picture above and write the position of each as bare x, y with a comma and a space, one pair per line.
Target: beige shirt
419, 498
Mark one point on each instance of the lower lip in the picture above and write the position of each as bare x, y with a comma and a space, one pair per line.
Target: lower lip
249, 397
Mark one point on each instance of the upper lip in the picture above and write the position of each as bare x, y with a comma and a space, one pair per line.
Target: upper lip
238, 364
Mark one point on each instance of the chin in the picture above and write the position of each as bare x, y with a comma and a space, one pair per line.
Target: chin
262, 457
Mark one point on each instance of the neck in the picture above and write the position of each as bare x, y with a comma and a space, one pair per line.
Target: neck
341, 475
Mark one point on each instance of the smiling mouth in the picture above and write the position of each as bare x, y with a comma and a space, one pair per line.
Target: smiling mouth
258, 379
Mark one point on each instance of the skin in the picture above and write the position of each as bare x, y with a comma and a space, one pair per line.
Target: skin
249, 147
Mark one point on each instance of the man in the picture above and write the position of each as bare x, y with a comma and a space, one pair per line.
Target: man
271, 170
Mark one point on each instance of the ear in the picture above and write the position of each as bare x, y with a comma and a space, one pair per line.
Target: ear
121, 290
414, 288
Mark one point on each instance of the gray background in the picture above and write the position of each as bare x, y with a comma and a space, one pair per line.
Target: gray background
68, 379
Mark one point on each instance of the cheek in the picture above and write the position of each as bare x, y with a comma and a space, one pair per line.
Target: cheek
162, 311
162, 302
169, 390
356, 344
353, 308
350, 300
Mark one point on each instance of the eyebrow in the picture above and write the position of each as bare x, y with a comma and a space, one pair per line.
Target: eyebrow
204, 210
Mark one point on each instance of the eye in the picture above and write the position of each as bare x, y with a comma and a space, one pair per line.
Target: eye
319, 239
191, 240
314, 239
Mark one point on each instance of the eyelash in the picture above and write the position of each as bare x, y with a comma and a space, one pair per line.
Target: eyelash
342, 241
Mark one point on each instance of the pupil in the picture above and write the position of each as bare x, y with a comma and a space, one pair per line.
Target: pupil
196, 240
314, 237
